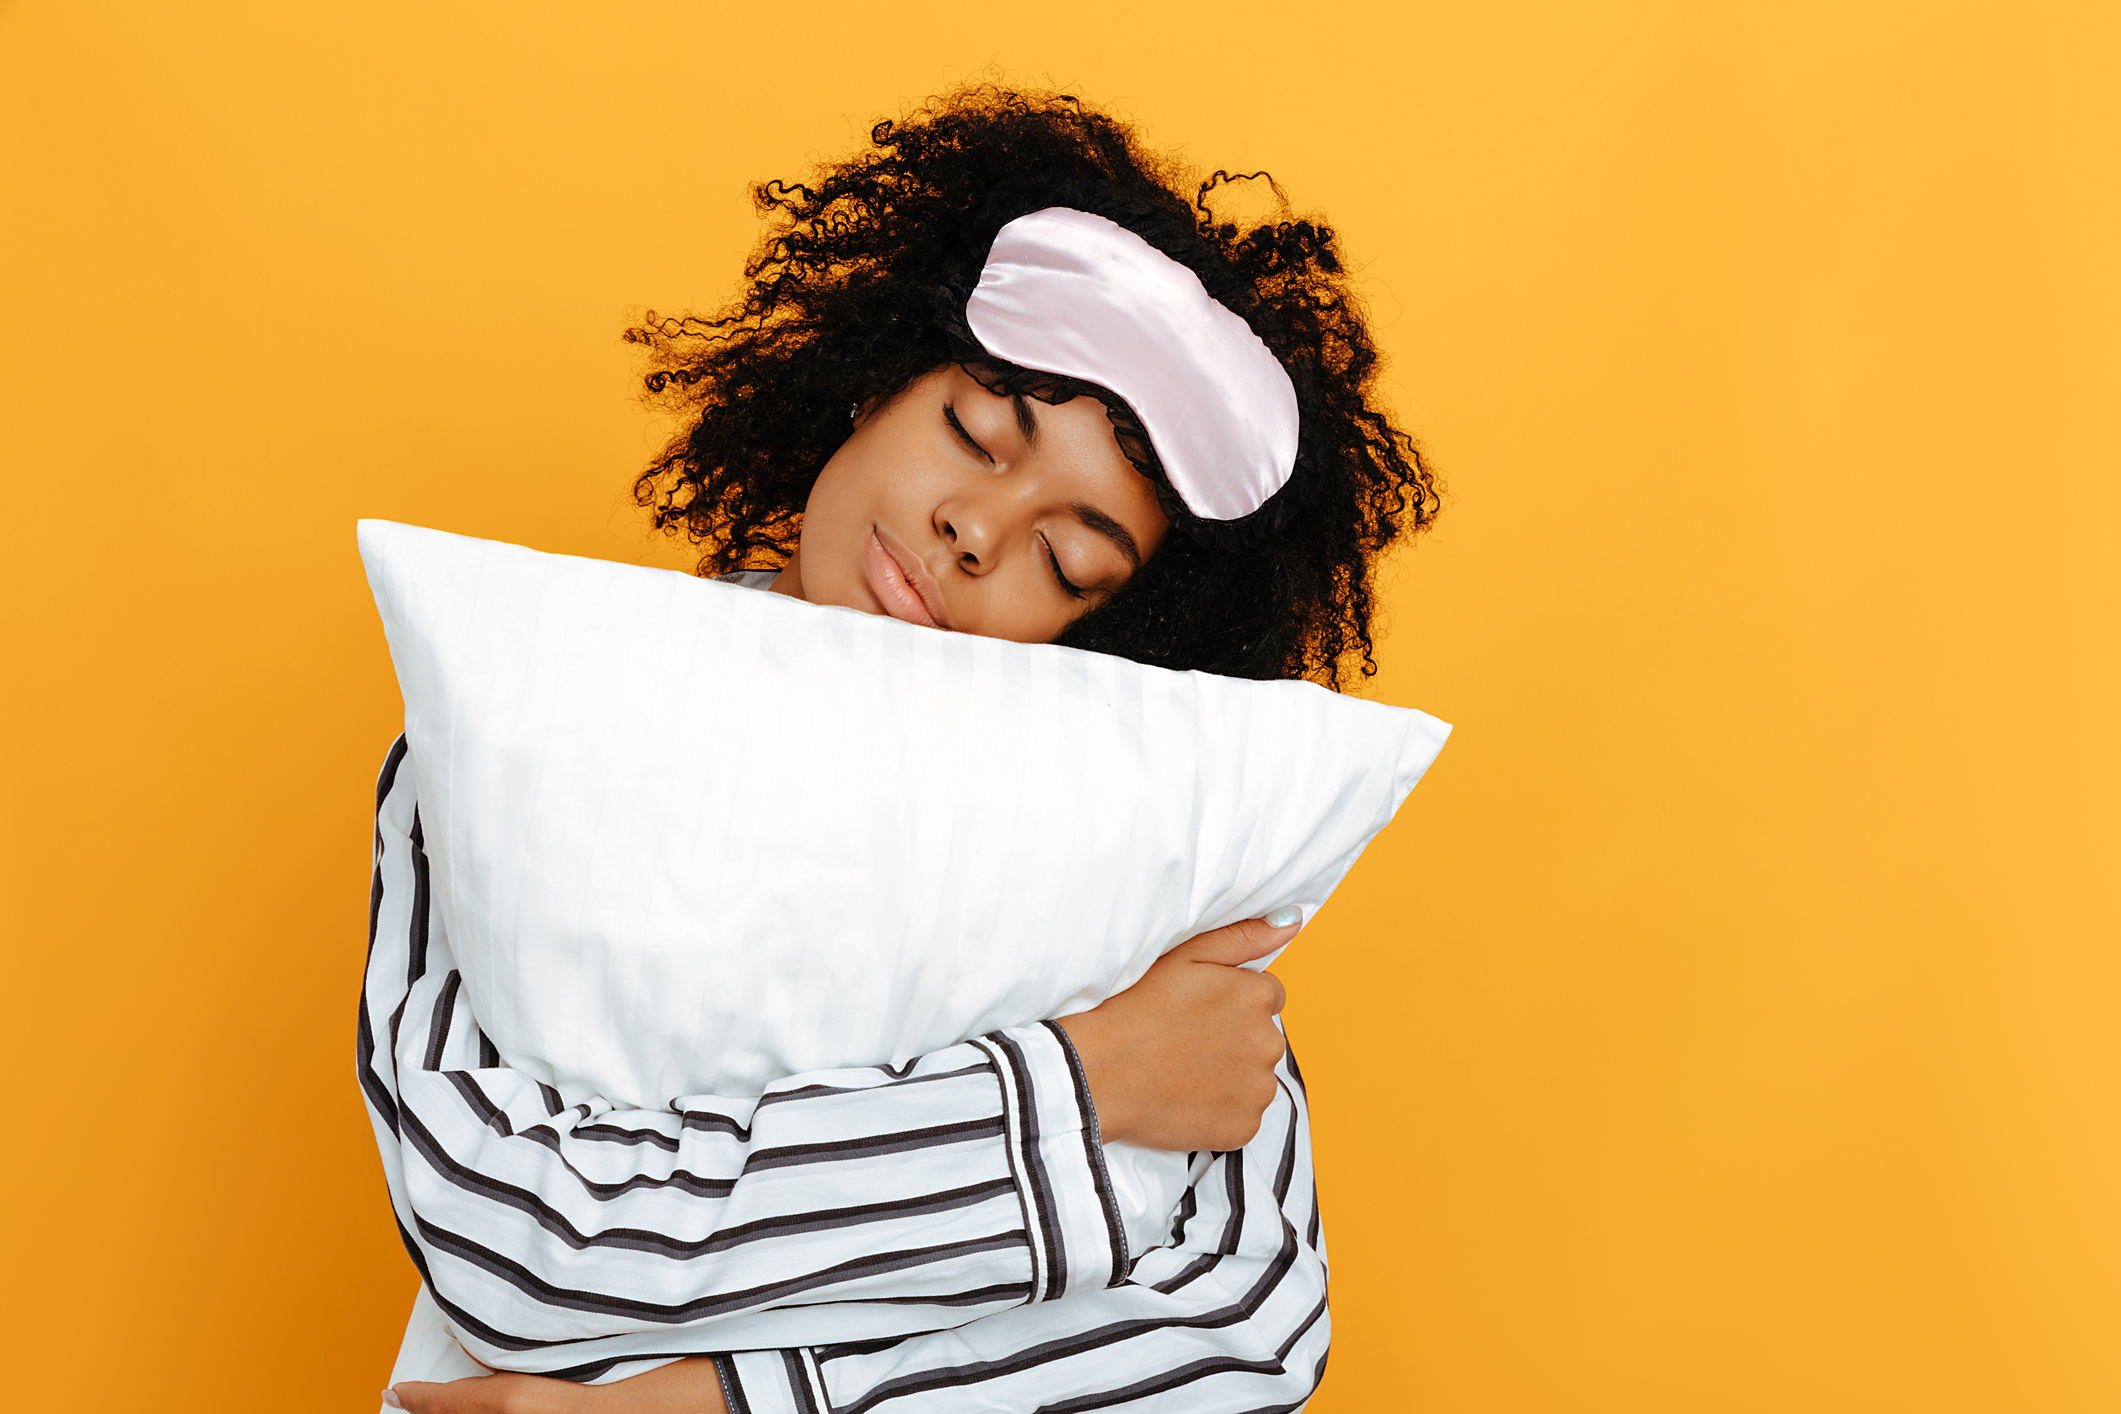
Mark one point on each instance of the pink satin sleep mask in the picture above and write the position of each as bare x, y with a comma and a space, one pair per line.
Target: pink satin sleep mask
1073, 294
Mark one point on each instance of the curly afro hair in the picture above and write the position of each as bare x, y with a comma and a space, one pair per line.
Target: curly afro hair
859, 288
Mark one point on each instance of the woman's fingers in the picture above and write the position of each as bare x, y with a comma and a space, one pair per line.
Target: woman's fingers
451, 1397
488, 1394
1240, 942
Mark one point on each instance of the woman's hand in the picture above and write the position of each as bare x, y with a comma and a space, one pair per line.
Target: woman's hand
1184, 1059
685, 1387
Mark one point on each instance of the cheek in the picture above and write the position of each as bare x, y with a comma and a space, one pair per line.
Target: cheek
833, 495
1025, 608
872, 475
841, 505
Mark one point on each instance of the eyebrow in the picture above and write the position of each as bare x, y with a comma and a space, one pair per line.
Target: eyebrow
1026, 420
1111, 529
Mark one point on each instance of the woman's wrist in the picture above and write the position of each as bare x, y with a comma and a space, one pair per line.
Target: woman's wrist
692, 1386
1097, 1051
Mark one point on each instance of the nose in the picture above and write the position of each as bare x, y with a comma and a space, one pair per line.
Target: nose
971, 531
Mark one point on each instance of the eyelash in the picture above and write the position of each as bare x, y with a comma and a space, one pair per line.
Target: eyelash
1067, 588
1054, 560
950, 416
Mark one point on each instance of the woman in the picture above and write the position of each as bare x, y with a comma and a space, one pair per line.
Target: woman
993, 376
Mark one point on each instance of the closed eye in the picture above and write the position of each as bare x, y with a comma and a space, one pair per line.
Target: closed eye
950, 416
1054, 560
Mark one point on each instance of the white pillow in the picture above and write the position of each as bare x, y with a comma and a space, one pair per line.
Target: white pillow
689, 838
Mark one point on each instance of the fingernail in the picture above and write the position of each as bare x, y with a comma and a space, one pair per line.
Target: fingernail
390, 1397
1285, 918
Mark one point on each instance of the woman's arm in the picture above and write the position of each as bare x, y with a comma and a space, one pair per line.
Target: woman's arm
1229, 1316
577, 1241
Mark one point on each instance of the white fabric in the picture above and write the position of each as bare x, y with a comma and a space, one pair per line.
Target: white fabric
429, 1351
689, 839
1067, 292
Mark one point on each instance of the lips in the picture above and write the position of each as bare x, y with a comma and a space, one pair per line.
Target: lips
900, 584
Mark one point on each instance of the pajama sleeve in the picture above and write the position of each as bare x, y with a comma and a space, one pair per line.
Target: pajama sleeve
590, 1242
1228, 1317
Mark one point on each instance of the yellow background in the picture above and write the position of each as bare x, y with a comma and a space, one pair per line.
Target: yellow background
1729, 1024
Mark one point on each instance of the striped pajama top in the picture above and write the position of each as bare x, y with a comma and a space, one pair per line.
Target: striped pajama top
938, 1237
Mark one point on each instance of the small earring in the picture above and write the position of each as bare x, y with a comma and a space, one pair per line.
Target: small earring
854, 412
